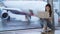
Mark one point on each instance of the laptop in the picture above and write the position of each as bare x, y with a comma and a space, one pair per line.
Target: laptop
43, 14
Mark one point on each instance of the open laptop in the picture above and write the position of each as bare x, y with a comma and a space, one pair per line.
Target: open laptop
43, 14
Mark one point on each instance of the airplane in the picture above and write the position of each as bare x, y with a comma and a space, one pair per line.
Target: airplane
17, 14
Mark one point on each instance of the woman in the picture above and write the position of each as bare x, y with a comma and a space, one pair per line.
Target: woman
48, 26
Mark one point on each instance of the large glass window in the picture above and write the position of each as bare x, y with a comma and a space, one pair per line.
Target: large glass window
56, 7
16, 14
56, 12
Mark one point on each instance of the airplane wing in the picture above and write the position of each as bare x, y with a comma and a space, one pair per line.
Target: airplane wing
16, 11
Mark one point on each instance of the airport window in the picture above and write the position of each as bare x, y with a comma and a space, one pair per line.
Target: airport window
56, 9
18, 14
56, 12
26, 14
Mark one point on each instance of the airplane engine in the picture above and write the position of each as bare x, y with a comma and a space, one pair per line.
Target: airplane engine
5, 16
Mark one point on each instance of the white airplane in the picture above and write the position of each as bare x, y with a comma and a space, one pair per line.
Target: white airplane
17, 14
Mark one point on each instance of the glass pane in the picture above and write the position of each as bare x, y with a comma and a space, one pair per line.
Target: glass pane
21, 15
56, 7
56, 13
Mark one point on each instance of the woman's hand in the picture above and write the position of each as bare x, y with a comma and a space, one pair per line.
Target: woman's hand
50, 18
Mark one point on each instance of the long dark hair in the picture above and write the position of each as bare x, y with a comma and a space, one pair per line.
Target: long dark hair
50, 11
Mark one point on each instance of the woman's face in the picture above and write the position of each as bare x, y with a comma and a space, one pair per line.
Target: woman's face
47, 8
